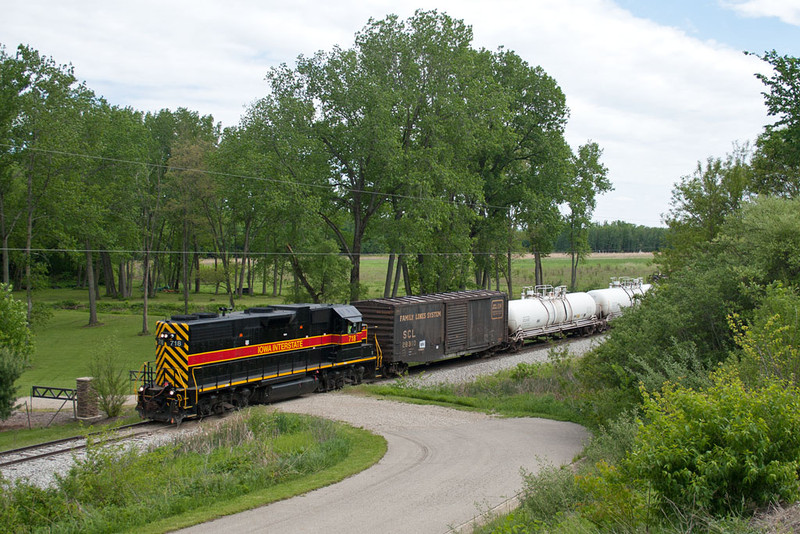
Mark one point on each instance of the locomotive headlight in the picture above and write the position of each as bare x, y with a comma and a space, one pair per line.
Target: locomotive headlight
172, 393
141, 389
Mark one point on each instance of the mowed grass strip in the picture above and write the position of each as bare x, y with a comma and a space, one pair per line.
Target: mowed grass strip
251, 459
547, 389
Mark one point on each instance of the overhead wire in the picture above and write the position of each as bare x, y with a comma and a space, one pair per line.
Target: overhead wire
327, 187
263, 179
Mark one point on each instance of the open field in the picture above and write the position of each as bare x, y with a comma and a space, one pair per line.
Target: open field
65, 346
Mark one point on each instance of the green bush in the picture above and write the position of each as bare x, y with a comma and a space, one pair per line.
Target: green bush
727, 449
110, 381
770, 345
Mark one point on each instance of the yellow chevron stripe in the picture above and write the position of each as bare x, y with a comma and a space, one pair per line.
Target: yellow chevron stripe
172, 362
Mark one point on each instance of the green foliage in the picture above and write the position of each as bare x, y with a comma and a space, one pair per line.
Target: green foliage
14, 332
700, 204
777, 161
612, 442
770, 345
727, 449
118, 488
680, 332
110, 382
11, 367
16, 345
765, 239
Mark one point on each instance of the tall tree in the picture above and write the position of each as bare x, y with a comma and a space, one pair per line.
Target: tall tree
43, 138
777, 159
387, 115
590, 179
524, 163
701, 202
14, 80
166, 129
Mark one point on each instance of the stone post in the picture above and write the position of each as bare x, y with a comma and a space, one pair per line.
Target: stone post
87, 399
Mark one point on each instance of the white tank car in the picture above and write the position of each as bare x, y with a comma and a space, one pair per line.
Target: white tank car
545, 308
620, 294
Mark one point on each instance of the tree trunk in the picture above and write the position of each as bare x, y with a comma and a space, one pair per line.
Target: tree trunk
275, 277
538, 272
406, 278
185, 266
123, 286
146, 291
129, 271
508, 275
6, 274
264, 269
496, 273
196, 268
574, 271
389, 271
92, 286
242, 276
280, 286
108, 274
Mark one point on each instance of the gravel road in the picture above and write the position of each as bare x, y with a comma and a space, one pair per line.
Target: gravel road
443, 468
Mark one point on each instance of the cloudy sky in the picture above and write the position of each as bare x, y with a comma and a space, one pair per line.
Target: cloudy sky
659, 85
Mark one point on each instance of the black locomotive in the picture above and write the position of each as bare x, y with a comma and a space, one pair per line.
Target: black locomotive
207, 363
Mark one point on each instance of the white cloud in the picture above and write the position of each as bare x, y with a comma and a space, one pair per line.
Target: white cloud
786, 10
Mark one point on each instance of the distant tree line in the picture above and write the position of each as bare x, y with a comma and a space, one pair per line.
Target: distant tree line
618, 236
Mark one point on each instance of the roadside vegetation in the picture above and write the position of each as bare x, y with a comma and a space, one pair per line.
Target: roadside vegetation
529, 390
252, 458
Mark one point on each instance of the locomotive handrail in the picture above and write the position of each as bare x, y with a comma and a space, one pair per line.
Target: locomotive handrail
196, 391
145, 374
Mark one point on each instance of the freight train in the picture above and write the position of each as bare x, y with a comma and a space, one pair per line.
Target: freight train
207, 363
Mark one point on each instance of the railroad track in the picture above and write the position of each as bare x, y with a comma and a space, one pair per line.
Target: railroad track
68, 445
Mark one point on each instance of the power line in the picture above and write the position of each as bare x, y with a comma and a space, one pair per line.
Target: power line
262, 179
237, 254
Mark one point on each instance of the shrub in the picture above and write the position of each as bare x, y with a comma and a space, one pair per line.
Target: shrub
770, 345
728, 449
110, 382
